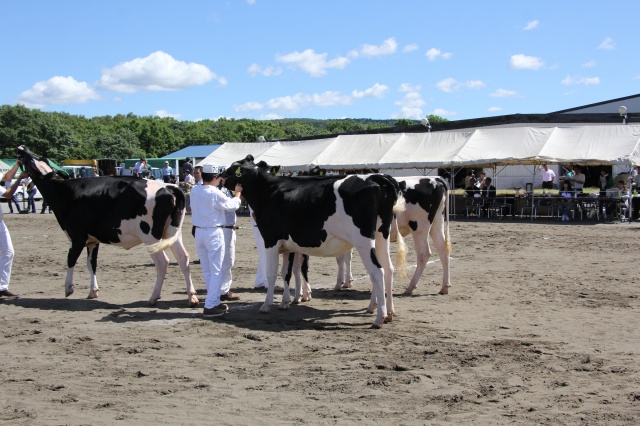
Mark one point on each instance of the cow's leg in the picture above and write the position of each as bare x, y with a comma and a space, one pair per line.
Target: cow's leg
439, 238
92, 266
72, 258
423, 253
345, 278
271, 257
369, 259
288, 265
161, 260
306, 287
383, 252
182, 257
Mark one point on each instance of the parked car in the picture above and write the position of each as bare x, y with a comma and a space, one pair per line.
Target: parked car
21, 193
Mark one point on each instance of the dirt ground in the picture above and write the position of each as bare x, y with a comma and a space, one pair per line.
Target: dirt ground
540, 327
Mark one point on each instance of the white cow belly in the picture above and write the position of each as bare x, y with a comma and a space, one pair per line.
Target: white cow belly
330, 248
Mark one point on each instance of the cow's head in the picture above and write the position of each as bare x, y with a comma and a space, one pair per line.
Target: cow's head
38, 167
244, 171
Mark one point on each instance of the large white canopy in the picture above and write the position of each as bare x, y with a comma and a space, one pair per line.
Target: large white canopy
588, 145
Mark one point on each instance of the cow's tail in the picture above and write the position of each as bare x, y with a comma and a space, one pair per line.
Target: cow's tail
394, 189
173, 229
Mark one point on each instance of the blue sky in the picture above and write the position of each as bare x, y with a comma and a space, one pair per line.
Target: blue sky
324, 59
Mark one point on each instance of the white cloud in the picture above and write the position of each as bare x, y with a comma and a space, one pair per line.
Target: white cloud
248, 106
412, 103
388, 47
375, 91
157, 72
163, 113
443, 112
269, 71
251, 2
531, 25
300, 100
522, 62
494, 109
585, 81
607, 44
410, 47
315, 64
450, 85
589, 64
57, 91
270, 117
433, 54
503, 93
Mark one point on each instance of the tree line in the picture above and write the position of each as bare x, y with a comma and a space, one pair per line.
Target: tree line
61, 136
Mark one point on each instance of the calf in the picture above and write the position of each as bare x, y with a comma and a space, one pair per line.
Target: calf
323, 216
121, 211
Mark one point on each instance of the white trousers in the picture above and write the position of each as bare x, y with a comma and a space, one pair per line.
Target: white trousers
6, 256
229, 259
210, 246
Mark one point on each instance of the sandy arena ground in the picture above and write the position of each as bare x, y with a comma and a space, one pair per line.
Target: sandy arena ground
540, 327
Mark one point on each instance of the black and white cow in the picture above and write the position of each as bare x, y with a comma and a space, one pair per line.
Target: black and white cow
323, 216
122, 211
426, 214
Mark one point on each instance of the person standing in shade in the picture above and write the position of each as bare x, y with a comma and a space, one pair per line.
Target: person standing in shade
11, 200
6, 246
578, 180
208, 207
548, 177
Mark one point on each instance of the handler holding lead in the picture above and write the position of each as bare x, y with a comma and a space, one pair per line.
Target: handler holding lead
208, 207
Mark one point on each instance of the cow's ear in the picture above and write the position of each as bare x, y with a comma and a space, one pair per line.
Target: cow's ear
275, 170
323, 172
249, 157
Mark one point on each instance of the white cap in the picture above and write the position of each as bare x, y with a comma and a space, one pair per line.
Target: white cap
210, 168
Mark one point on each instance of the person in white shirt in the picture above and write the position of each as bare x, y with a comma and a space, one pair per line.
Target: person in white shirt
229, 231
208, 207
167, 172
6, 246
548, 177
140, 168
578, 179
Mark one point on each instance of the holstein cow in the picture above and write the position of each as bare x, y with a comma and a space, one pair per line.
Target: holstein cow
426, 213
323, 216
122, 211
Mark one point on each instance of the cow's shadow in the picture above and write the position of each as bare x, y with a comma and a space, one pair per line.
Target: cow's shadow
243, 315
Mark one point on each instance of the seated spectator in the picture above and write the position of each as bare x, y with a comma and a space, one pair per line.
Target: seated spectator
488, 190
566, 204
472, 190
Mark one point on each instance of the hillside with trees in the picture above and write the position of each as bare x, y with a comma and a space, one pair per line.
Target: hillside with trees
61, 136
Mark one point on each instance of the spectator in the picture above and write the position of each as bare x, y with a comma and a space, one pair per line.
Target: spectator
187, 167
488, 190
548, 177
140, 168
566, 203
480, 181
578, 180
208, 206
472, 190
605, 181
30, 188
12, 200
167, 172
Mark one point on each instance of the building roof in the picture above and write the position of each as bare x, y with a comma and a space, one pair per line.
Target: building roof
632, 103
195, 151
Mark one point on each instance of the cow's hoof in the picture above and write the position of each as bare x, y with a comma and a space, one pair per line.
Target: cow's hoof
193, 302
408, 292
69, 292
283, 306
376, 326
264, 309
348, 284
306, 299
370, 311
444, 290
338, 287
152, 302
93, 295
388, 318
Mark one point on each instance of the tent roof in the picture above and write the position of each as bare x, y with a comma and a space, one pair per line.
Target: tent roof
598, 144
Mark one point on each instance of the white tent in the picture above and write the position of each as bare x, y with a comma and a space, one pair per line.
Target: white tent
600, 144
